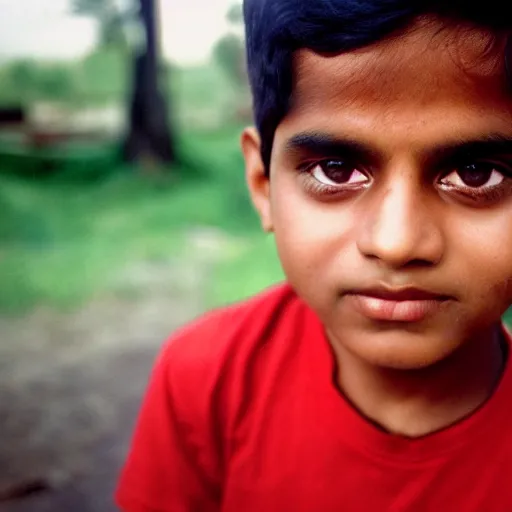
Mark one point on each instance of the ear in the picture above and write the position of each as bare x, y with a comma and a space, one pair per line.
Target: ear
257, 180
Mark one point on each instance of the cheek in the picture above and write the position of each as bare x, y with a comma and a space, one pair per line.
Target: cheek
311, 237
480, 254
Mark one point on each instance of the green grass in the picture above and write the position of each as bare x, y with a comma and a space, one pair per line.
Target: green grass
247, 272
64, 240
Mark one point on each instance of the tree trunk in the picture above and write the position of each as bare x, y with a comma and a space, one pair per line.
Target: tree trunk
149, 135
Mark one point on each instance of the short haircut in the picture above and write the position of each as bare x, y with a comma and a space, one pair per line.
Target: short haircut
275, 29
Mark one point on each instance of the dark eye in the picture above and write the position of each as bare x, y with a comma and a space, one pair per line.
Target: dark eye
485, 175
336, 172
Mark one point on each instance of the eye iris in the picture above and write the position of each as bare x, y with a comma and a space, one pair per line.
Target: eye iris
475, 176
337, 172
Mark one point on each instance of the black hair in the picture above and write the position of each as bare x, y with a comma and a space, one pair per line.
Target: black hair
275, 29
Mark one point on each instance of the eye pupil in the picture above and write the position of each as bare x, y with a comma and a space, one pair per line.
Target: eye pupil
475, 176
337, 171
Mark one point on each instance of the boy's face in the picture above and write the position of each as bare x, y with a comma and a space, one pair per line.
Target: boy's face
390, 193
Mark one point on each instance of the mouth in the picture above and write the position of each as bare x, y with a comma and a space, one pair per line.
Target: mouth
396, 305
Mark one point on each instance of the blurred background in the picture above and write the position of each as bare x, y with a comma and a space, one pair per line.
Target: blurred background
123, 214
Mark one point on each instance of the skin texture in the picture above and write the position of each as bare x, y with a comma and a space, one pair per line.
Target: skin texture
397, 209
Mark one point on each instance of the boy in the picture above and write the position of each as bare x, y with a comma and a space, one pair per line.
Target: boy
376, 379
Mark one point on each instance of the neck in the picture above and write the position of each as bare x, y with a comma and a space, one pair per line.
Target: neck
415, 403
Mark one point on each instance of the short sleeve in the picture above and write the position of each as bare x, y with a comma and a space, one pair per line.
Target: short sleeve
173, 464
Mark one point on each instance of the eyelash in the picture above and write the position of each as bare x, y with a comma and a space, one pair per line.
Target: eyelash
485, 195
314, 187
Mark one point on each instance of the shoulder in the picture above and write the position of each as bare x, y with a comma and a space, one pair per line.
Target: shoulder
227, 357
209, 370
222, 337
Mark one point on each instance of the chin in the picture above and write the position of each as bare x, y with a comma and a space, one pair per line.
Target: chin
399, 350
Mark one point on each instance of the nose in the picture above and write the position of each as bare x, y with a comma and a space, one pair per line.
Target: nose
401, 226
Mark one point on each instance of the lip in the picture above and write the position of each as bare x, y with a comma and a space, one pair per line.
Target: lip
408, 304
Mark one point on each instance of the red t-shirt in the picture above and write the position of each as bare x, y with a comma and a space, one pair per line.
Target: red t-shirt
242, 415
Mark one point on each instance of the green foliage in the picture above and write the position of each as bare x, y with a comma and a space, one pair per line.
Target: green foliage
56, 82
25, 81
229, 54
104, 76
203, 97
24, 76
100, 78
203, 86
235, 14
111, 20
61, 241
95, 8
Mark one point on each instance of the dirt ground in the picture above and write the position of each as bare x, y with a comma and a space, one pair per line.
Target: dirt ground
71, 384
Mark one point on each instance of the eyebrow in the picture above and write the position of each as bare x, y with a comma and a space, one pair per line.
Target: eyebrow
318, 143
323, 144
463, 149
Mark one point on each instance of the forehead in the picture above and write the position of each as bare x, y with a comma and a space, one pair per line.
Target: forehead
430, 70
